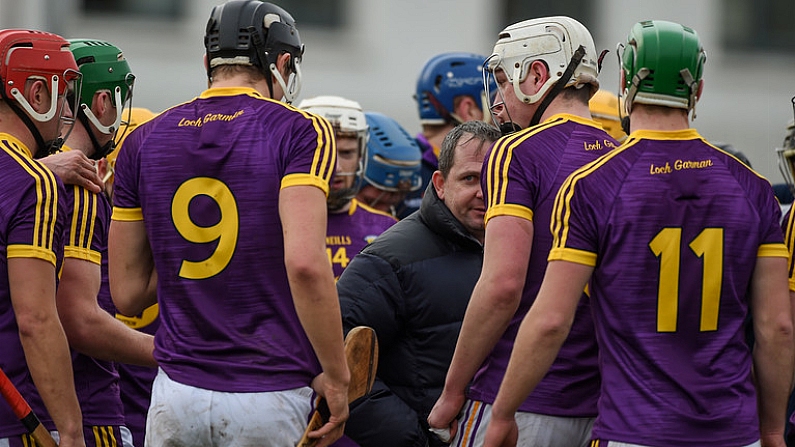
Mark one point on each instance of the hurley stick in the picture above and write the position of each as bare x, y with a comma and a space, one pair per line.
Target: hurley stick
24, 413
361, 353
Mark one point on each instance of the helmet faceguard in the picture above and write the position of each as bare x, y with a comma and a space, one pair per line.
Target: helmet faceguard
662, 64
37, 55
104, 68
348, 120
786, 153
393, 157
255, 33
445, 77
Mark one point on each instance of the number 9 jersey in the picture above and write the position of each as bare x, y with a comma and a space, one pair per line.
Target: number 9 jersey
205, 178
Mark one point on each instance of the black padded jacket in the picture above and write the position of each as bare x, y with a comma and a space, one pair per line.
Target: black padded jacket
412, 285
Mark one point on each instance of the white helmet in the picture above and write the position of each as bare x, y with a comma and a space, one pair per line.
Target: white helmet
345, 115
348, 120
553, 40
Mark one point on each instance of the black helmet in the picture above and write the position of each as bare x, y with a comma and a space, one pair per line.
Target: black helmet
253, 32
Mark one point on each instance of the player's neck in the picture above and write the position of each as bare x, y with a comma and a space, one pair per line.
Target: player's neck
79, 140
12, 125
435, 134
658, 118
568, 106
242, 80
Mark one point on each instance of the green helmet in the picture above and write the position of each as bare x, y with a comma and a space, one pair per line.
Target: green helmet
663, 63
103, 67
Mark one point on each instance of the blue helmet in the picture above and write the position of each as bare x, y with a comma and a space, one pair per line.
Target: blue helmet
444, 77
393, 157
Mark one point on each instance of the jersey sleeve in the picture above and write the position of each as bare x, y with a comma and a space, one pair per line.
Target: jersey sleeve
508, 182
772, 242
311, 156
574, 222
84, 236
126, 200
34, 229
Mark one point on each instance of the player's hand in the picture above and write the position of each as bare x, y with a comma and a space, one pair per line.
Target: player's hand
501, 433
74, 168
772, 441
336, 395
65, 440
444, 415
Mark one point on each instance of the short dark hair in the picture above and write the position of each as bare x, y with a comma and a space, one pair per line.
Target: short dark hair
475, 129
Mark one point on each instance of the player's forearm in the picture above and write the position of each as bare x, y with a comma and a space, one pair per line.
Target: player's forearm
487, 317
773, 366
50, 365
98, 334
131, 269
537, 343
318, 309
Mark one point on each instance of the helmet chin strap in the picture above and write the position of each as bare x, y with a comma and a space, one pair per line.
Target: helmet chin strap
107, 130
100, 151
576, 58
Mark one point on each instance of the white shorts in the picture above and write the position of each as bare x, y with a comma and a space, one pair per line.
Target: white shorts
182, 415
538, 430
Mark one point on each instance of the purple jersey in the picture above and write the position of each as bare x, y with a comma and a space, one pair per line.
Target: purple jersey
96, 381
31, 226
673, 227
205, 178
136, 381
349, 232
520, 177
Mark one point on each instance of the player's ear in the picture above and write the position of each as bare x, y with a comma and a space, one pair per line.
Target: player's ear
38, 96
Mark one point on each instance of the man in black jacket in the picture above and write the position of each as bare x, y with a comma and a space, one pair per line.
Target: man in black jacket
412, 285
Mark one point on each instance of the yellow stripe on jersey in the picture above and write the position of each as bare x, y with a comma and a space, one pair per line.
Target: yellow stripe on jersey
573, 255
29, 251
297, 180
357, 204
772, 251
85, 254
84, 220
500, 160
561, 211
326, 146
46, 192
127, 214
509, 209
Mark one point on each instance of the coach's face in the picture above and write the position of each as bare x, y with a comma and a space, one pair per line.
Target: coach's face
460, 191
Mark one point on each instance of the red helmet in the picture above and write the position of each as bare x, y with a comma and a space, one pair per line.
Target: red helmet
28, 53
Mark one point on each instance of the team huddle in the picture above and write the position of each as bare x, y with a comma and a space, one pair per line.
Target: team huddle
186, 278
